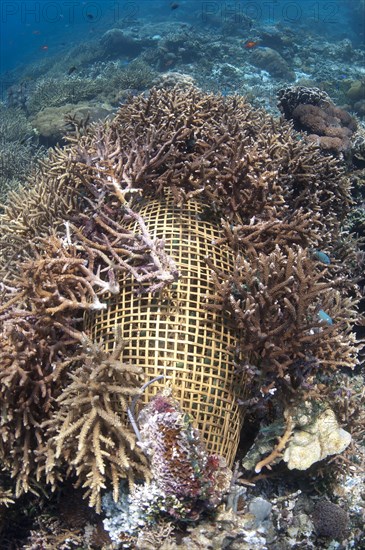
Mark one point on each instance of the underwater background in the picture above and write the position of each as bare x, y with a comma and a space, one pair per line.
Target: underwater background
147, 71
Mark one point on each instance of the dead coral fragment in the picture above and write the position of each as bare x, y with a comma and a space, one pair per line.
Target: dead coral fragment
317, 437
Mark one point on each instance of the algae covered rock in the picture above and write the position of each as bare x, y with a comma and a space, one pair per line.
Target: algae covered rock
271, 61
51, 124
356, 91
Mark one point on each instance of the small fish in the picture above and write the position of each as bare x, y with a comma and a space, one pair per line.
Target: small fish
174, 5
249, 44
90, 16
36, 32
321, 256
44, 47
325, 317
71, 70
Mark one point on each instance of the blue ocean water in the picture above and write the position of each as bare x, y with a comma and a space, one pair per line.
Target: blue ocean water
31, 31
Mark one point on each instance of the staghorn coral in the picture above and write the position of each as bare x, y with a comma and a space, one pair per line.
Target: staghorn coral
51, 534
88, 430
18, 151
70, 240
240, 160
54, 92
39, 344
276, 299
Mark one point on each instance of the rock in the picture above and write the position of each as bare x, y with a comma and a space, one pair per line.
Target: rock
330, 520
359, 107
271, 61
50, 122
116, 42
356, 92
260, 508
171, 79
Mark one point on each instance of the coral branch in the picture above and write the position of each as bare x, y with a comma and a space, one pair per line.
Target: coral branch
277, 451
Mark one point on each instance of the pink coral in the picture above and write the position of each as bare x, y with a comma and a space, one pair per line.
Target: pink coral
328, 125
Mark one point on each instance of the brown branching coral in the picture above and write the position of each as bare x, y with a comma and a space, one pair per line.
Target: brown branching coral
39, 346
288, 311
34, 211
89, 429
71, 240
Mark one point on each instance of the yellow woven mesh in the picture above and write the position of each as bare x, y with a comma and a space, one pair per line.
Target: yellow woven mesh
172, 333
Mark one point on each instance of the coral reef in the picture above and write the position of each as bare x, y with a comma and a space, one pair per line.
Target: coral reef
18, 151
271, 61
313, 112
291, 97
75, 235
187, 481
172, 79
50, 96
330, 126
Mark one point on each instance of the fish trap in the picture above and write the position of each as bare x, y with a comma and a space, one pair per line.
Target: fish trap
172, 332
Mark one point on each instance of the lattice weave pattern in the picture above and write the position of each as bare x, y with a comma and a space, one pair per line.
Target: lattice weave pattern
172, 332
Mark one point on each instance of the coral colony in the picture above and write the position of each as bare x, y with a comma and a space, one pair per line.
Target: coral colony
75, 234
186, 480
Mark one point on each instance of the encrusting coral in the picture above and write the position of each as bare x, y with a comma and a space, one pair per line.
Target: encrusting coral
65, 246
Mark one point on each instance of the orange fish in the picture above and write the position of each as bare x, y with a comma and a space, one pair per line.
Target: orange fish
44, 47
249, 44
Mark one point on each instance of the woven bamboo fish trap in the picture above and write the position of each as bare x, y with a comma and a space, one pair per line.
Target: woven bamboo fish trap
173, 333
